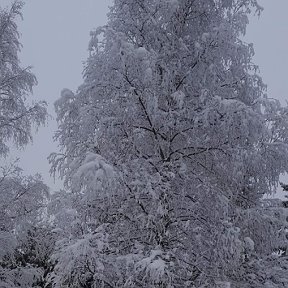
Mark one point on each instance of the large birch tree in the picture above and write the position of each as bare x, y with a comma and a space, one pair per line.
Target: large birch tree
168, 147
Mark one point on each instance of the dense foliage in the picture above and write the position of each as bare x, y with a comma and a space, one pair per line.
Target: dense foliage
22, 198
167, 150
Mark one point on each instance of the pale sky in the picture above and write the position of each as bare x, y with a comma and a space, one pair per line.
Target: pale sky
270, 37
55, 36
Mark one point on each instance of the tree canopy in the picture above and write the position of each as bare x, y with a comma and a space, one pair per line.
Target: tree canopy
22, 197
168, 147
167, 151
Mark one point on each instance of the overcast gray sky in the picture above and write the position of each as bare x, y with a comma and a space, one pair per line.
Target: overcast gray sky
55, 36
270, 37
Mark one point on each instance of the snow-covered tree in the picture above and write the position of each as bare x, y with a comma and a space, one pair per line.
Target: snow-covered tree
22, 198
17, 115
22, 206
167, 149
